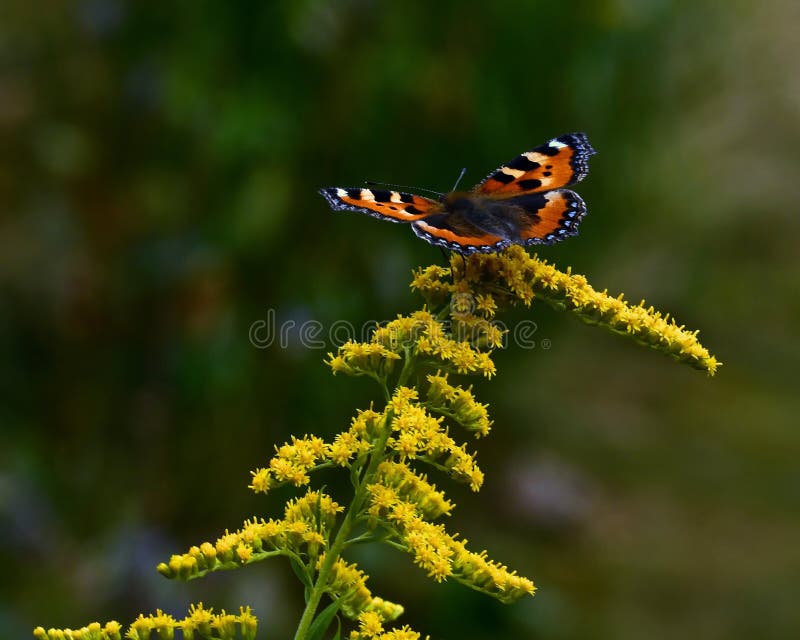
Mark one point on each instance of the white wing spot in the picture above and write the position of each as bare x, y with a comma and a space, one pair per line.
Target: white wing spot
395, 197
556, 144
341, 193
367, 195
515, 173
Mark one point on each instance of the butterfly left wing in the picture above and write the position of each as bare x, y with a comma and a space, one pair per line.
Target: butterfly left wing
558, 163
459, 233
386, 205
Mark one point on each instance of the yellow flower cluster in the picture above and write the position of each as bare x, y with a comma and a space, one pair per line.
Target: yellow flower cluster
418, 335
419, 435
440, 554
348, 582
416, 434
200, 623
95, 631
370, 627
455, 355
364, 358
292, 463
358, 439
478, 572
304, 530
513, 276
415, 488
457, 404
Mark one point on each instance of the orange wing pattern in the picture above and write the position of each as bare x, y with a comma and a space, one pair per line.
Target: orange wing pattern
457, 233
486, 226
386, 205
558, 163
556, 217
520, 203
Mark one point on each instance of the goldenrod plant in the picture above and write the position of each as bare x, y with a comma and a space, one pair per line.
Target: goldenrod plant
419, 424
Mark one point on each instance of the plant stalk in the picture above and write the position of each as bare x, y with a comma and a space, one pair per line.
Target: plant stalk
332, 554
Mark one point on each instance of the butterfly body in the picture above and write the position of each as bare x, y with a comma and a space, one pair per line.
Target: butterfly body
522, 202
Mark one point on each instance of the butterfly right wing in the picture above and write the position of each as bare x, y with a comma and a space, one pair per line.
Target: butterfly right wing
378, 203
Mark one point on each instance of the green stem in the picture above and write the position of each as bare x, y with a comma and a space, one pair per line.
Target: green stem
352, 515
408, 367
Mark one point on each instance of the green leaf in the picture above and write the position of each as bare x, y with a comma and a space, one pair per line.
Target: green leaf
323, 620
300, 572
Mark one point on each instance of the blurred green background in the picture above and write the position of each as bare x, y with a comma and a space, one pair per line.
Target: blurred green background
158, 173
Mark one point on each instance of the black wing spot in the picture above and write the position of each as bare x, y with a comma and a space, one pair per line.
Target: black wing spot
355, 194
505, 178
547, 150
382, 195
521, 163
532, 183
407, 198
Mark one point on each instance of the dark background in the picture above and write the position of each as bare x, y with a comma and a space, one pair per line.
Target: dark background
158, 170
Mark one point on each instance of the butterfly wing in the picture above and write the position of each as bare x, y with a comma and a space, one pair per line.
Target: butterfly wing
491, 225
558, 163
541, 218
386, 205
458, 233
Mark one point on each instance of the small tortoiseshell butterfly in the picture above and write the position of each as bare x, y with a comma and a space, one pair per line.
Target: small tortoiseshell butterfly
522, 202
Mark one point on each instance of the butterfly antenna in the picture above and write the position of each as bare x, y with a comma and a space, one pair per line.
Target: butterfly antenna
460, 175
372, 183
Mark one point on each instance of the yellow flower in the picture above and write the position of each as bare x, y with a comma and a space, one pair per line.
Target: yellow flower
458, 404
348, 583
202, 622
393, 501
414, 488
363, 358
370, 624
513, 277
476, 570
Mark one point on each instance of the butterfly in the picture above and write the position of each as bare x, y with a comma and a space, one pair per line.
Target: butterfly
522, 202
